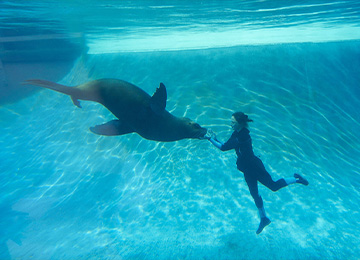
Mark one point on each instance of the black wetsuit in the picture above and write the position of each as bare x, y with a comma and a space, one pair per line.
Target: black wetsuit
251, 165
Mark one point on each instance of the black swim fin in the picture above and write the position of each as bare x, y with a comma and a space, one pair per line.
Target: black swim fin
263, 223
300, 179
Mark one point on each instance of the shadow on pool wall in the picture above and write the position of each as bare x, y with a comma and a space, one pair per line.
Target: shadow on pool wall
29, 51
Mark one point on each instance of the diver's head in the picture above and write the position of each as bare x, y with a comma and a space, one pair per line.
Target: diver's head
239, 120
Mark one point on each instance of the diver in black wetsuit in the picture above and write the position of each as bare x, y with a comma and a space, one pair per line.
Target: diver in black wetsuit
251, 165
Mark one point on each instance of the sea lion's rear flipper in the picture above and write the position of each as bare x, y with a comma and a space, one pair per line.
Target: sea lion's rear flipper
76, 102
114, 127
158, 100
73, 92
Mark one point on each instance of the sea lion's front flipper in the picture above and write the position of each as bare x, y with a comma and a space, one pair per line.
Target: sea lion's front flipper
114, 127
158, 100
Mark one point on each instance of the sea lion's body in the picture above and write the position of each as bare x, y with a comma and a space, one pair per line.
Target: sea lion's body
136, 110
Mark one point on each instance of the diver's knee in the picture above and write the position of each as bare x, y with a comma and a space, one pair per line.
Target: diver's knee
274, 187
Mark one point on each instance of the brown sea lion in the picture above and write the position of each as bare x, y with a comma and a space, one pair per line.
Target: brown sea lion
136, 110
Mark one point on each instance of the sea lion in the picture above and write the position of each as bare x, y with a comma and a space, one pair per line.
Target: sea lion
137, 111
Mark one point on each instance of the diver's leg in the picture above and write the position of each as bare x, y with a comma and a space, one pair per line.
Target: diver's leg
253, 188
265, 179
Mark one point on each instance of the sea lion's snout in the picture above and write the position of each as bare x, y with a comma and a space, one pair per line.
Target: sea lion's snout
194, 130
201, 131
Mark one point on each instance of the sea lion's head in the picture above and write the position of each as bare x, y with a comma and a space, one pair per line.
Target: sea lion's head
190, 129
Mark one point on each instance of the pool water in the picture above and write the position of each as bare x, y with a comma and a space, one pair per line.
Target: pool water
69, 194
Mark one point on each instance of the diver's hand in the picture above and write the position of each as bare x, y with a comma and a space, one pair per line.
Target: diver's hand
207, 136
212, 138
210, 134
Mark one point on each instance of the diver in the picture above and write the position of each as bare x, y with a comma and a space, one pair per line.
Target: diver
251, 165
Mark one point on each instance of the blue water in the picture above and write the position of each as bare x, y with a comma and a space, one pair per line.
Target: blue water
66, 193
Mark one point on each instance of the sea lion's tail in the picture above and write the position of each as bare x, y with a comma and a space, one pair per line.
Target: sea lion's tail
73, 92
